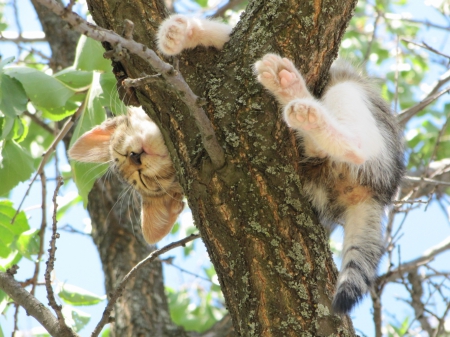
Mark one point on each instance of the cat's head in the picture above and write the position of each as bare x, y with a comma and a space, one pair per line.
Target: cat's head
135, 149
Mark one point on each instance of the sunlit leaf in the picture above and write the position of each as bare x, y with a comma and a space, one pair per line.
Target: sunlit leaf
94, 114
28, 243
75, 318
89, 56
43, 90
13, 99
73, 78
16, 165
77, 296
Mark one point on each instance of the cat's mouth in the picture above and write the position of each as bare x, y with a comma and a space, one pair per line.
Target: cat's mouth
142, 180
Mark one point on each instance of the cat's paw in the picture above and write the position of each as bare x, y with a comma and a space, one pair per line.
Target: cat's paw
304, 114
173, 34
280, 76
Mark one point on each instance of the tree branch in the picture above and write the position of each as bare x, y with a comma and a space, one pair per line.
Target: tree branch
409, 113
185, 93
406, 267
118, 292
32, 306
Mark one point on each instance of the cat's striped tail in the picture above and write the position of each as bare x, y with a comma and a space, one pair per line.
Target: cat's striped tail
362, 252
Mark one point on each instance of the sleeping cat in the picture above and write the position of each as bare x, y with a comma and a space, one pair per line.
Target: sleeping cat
352, 161
135, 149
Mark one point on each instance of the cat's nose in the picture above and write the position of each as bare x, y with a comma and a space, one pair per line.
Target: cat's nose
135, 158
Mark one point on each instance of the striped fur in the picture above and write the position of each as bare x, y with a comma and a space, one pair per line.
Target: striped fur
135, 149
352, 162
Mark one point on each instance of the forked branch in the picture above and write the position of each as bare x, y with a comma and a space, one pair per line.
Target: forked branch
191, 100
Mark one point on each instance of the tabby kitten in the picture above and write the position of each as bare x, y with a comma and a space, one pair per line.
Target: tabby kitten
352, 153
135, 149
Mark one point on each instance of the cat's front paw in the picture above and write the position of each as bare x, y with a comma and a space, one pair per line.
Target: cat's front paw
304, 114
280, 76
173, 34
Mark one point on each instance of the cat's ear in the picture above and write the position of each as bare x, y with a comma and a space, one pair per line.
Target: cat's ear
158, 215
93, 145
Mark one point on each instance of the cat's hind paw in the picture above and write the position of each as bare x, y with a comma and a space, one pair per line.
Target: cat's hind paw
280, 76
304, 114
173, 34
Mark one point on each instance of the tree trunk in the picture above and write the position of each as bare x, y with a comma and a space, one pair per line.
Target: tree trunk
271, 255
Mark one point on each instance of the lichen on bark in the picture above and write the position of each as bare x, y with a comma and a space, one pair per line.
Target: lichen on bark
271, 255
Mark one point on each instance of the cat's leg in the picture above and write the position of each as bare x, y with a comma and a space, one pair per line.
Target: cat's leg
179, 32
281, 78
312, 120
362, 251
158, 214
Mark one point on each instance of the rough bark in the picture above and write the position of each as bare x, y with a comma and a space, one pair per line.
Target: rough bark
270, 253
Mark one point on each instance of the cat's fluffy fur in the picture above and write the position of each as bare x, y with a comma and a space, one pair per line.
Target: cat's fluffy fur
135, 149
352, 160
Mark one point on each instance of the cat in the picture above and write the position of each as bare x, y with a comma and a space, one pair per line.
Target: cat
135, 149
352, 152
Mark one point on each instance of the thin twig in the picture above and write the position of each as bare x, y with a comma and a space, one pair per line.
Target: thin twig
16, 316
170, 263
426, 46
119, 289
175, 78
128, 28
34, 279
442, 321
51, 261
428, 256
391, 16
46, 155
427, 180
372, 38
39, 122
404, 116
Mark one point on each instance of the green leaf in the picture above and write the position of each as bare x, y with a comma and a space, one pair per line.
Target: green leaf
12, 259
199, 318
4, 62
28, 243
89, 56
75, 318
7, 212
77, 79
94, 114
43, 90
16, 165
7, 124
109, 96
74, 295
202, 3
9, 233
105, 332
20, 130
13, 99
